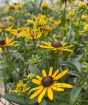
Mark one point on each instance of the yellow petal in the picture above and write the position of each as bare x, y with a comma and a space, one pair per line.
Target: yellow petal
42, 46
50, 93
63, 85
15, 91
44, 73
33, 89
38, 77
36, 81
36, 93
55, 73
61, 75
45, 43
42, 95
57, 88
50, 71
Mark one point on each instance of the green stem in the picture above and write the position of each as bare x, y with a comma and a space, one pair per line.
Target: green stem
9, 63
64, 15
4, 80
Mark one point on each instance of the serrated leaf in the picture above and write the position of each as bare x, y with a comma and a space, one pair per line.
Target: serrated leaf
74, 94
13, 97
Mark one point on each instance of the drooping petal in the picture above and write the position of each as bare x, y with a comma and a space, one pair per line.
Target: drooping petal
36, 81
40, 97
33, 89
42, 46
55, 73
38, 77
45, 43
63, 85
67, 50
50, 71
50, 93
44, 73
57, 88
36, 93
60, 74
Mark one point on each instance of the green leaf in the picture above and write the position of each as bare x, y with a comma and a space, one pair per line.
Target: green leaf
74, 94
70, 64
74, 73
13, 97
77, 64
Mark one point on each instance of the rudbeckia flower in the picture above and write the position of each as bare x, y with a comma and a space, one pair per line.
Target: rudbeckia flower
82, 5
13, 7
57, 22
33, 33
71, 14
17, 32
85, 28
47, 83
6, 42
20, 88
45, 5
56, 45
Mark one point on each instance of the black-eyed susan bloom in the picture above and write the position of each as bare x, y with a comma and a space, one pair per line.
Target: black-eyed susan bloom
6, 42
13, 7
48, 83
20, 88
56, 45
85, 28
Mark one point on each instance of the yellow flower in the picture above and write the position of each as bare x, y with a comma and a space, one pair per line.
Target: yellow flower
48, 28
57, 22
40, 19
8, 29
47, 83
33, 33
6, 42
13, 7
10, 7
20, 88
84, 16
56, 45
71, 14
18, 6
82, 5
8, 18
18, 32
86, 28
45, 5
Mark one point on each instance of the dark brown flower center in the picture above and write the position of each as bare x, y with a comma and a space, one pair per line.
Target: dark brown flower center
32, 34
11, 7
57, 44
20, 88
18, 31
47, 81
2, 42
